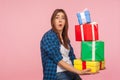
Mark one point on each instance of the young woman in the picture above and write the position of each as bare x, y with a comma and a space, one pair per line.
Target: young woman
56, 51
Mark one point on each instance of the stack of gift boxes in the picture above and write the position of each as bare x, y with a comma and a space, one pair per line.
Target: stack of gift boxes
92, 49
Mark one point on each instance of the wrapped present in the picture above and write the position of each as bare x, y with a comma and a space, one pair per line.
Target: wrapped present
102, 65
81, 65
86, 32
92, 50
84, 17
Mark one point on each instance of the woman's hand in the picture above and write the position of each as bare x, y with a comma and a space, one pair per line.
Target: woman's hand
83, 72
86, 72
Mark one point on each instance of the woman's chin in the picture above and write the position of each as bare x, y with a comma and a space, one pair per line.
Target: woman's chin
60, 29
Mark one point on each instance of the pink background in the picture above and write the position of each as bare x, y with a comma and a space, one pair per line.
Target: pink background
23, 22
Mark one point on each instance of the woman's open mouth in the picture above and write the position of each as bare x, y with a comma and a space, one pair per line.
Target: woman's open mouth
60, 25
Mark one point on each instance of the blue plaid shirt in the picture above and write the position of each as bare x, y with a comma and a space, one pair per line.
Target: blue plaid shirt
50, 54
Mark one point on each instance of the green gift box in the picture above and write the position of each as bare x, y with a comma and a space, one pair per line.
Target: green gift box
92, 50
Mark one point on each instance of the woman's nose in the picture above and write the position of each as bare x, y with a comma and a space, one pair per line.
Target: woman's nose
60, 20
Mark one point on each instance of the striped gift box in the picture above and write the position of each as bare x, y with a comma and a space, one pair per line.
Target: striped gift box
84, 17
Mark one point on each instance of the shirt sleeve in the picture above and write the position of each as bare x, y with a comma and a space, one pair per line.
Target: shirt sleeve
51, 48
71, 54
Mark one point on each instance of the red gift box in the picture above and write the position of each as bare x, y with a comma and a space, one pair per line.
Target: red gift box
86, 32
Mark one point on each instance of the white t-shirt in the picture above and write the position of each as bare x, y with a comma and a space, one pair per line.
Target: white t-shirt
66, 58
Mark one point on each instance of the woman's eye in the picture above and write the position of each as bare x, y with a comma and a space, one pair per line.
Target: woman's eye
56, 17
63, 18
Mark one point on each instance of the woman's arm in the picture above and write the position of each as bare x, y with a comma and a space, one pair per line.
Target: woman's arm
72, 69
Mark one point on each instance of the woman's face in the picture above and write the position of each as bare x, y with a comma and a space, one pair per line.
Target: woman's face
59, 21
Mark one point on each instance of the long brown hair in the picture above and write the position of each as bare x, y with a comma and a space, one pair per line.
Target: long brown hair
65, 29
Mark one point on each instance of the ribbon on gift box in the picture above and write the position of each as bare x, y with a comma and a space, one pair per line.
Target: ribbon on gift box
83, 64
83, 17
93, 34
93, 51
82, 33
102, 65
93, 31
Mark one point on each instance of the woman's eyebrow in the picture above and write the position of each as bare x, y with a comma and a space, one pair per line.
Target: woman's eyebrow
57, 15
